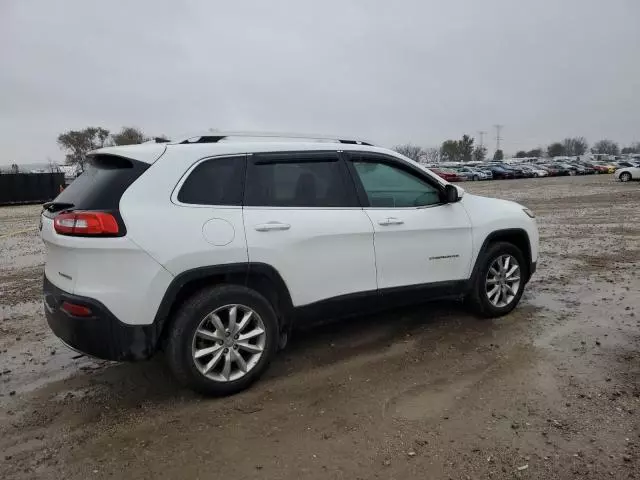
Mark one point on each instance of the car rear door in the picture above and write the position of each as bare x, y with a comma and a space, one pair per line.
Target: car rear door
418, 239
302, 217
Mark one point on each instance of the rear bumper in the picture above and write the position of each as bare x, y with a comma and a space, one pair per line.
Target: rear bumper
101, 335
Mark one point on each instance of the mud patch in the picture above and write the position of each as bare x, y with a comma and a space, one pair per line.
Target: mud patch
21, 286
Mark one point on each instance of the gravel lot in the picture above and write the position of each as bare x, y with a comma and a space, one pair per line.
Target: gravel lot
550, 391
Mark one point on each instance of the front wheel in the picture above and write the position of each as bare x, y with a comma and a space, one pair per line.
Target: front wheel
499, 280
222, 340
625, 177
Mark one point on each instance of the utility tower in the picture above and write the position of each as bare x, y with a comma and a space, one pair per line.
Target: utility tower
482, 134
498, 137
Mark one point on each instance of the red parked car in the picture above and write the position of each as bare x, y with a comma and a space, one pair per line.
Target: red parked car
448, 175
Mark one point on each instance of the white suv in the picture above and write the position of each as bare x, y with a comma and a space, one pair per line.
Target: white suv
211, 249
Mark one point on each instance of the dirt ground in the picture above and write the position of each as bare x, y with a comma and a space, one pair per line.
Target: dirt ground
549, 392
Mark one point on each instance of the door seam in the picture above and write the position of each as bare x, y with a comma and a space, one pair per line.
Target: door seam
375, 254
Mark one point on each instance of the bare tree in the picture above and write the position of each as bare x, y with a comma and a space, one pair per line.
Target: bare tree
78, 143
431, 155
128, 136
536, 152
607, 147
633, 148
480, 153
556, 149
411, 151
53, 167
575, 146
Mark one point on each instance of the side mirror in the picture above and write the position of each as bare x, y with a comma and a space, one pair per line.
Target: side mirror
451, 194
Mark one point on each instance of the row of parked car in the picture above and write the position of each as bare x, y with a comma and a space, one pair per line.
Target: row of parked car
544, 168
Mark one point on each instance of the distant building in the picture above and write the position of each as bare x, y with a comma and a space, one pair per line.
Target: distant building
31, 168
70, 172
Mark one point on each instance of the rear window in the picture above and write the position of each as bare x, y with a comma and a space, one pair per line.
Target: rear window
101, 185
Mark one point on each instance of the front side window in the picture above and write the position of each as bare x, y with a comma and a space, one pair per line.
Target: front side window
387, 186
218, 181
298, 180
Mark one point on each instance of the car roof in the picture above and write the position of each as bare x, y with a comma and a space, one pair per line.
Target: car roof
150, 152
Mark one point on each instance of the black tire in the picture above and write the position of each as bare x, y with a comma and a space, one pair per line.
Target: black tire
625, 177
476, 178
180, 337
477, 299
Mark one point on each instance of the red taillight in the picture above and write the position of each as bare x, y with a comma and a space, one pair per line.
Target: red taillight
86, 223
76, 310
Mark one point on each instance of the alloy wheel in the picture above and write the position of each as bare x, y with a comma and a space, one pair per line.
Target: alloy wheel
228, 343
503, 281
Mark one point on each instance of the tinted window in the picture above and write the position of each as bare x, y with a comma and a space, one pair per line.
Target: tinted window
299, 180
101, 185
391, 187
218, 181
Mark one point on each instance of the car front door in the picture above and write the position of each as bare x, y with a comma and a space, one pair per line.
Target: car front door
302, 217
418, 239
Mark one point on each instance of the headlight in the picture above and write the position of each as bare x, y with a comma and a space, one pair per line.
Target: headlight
529, 212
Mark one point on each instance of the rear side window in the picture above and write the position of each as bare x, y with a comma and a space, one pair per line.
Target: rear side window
101, 185
218, 181
299, 180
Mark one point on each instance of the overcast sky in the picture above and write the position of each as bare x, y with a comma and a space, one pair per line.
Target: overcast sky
390, 71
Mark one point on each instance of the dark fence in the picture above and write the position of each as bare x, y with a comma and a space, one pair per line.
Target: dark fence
29, 187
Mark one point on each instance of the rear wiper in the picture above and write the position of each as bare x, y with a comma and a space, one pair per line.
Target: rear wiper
57, 206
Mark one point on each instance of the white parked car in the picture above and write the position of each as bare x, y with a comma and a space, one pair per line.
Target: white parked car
535, 171
627, 174
210, 249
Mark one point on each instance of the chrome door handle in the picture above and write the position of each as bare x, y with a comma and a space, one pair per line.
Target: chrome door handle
390, 221
267, 227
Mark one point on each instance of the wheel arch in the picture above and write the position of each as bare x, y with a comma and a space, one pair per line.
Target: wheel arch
260, 277
516, 236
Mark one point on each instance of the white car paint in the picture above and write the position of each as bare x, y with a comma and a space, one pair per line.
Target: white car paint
320, 253
634, 172
538, 171
490, 214
114, 271
324, 253
422, 244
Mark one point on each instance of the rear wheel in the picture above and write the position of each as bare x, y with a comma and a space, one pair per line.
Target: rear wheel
222, 340
625, 177
499, 281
